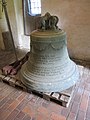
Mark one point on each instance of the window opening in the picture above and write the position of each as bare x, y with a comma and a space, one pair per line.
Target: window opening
34, 7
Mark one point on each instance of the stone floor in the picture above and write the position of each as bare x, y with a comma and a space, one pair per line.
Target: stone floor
16, 104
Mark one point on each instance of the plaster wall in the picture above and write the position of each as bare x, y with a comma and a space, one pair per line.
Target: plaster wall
3, 27
24, 41
12, 19
74, 18
15, 14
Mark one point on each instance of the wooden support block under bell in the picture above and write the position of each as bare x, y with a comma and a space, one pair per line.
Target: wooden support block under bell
12, 82
2, 77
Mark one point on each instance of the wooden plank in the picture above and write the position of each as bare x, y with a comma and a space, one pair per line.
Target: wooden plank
12, 82
1, 76
46, 97
7, 78
55, 95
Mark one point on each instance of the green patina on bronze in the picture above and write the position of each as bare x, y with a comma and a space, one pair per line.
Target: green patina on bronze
48, 22
49, 68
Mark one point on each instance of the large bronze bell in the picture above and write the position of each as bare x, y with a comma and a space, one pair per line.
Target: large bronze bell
49, 68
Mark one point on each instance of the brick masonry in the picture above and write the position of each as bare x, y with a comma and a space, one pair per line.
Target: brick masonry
16, 104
